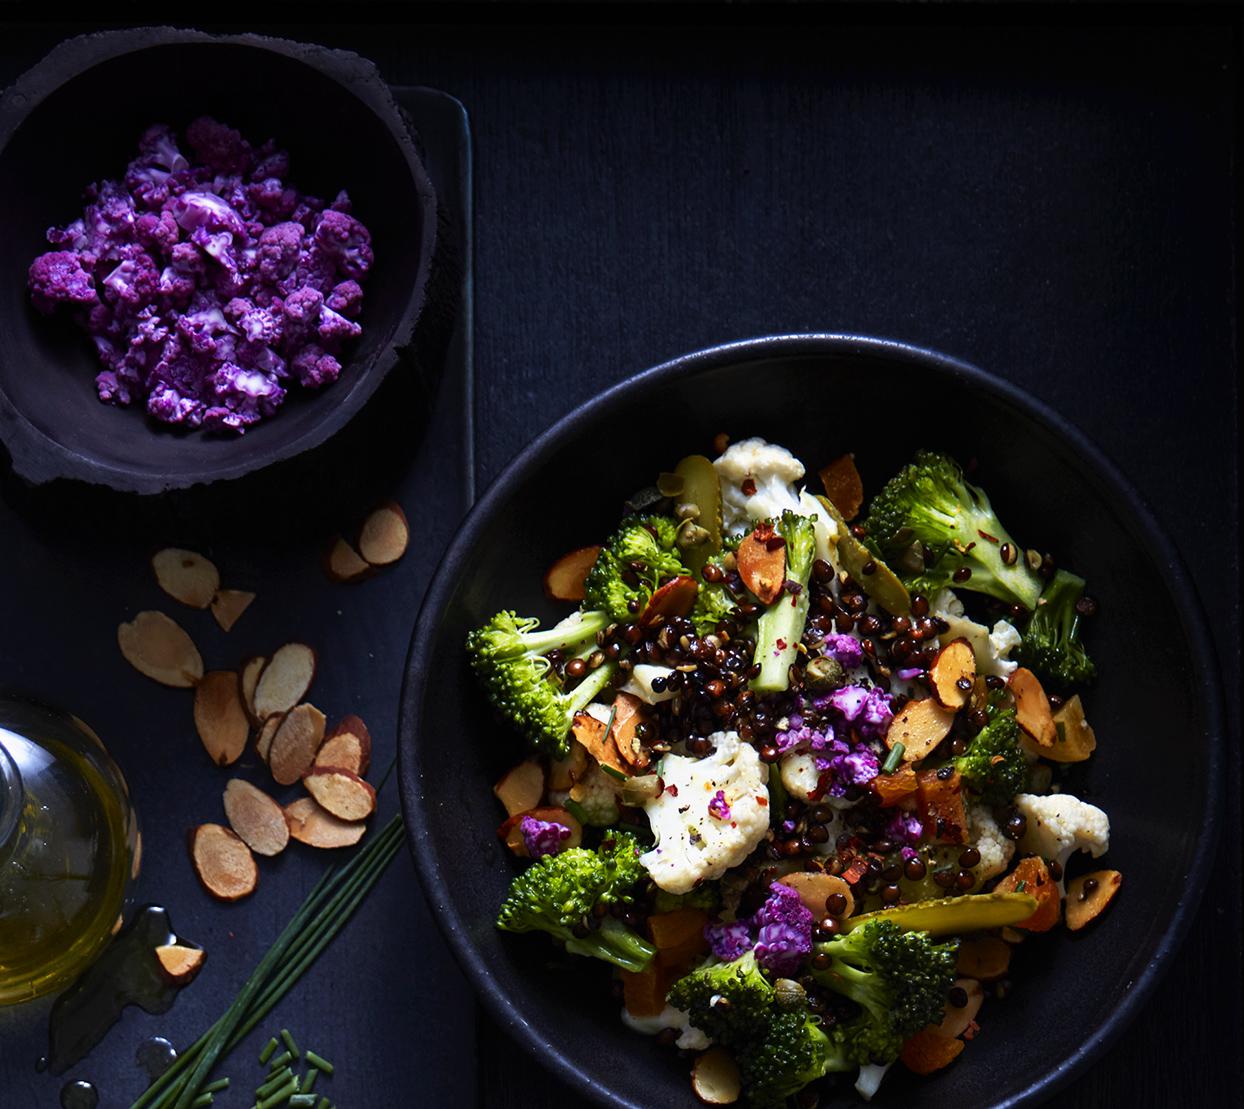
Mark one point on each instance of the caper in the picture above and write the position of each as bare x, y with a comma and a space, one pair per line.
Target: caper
824, 673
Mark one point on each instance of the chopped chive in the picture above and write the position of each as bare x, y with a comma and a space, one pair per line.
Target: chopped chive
612, 771
289, 1043
268, 1049
308, 1081
273, 1081
280, 1095
318, 1062
202, 1101
893, 759
324, 1103
575, 809
302, 1101
285, 1058
1020, 886
216, 1087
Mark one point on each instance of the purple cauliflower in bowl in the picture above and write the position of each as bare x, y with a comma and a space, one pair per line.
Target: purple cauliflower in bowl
202, 299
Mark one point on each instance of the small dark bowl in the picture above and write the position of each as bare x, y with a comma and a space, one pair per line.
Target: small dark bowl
76, 118
1072, 994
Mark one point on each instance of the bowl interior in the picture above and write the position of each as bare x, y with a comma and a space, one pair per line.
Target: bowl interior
87, 129
822, 399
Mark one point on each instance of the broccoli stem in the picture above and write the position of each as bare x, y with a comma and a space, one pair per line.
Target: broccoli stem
593, 683
571, 635
615, 943
780, 627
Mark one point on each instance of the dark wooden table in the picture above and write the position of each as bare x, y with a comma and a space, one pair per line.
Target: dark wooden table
1053, 200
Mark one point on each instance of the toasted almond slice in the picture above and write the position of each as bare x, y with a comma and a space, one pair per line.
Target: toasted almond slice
343, 563
953, 673
566, 579
353, 742
295, 743
512, 832
1076, 740
675, 598
761, 560
186, 576
627, 716
223, 862
815, 889
285, 680
180, 963
385, 535
267, 733
342, 793
715, 1078
844, 486
958, 1017
156, 646
249, 678
929, 1051
920, 727
521, 788
1084, 905
591, 733
984, 958
310, 824
563, 773
1032, 707
219, 716
228, 606
255, 817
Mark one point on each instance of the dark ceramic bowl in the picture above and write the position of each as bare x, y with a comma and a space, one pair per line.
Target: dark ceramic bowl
76, 118
1073, 994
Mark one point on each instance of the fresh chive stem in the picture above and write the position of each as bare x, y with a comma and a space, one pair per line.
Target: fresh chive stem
308, 1081
282, 1094
893, 758
289, 1043
318, 1062
268, 1049
274, 1080
203, 1101
282, 1060
324, 1103
217, 1086
302, 1101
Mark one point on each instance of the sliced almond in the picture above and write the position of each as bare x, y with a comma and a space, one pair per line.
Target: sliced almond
156, 646
675, 598
384, 536
761, 561
295, 743
1075, 739
340, 792
180, 963
223, 862
628, 714
256, 818
310, 824
349, 741
953, 673
590, 732
220, 717
1032, 707
566, 579
249, 678
228, 606
844, 486
343, 563
563, 773
920, 727
186, 576
267, 732
815, 889
958, 1017
521, 788
1083, 906
511, 829
715, 1078
285, 680
984, 958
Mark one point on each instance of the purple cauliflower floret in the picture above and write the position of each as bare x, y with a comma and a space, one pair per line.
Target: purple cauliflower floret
220, 148
165, 403
876, 714
132, 283
314, 367
301, 312
542, 837
783, 931
58, 277
196, 210
904, 828
800, 737
845, 648
335, 329
346, 241
279, 249
158, 147
848, 701
729, 940
157, 231
718, 808
346, 298
856, 766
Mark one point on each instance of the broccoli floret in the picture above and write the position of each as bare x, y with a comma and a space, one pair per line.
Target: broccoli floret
782, 623
790, 1052
729, 1002
558, 894
1051, 643
705, 896
713, 601
508, 655
994, 766
931, 501
900, 979
639, 556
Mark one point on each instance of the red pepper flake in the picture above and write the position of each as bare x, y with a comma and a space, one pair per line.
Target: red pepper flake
763, 802
749, 487
781, 643
671, 789
856, 870
985, 535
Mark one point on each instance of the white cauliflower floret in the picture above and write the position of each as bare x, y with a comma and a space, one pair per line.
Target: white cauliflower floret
773, 470
691, 1039
996, 850
640, 683
799, 775
692, 844
1059, 825
990, 647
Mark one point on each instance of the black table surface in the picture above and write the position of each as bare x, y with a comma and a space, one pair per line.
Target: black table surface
1049, 195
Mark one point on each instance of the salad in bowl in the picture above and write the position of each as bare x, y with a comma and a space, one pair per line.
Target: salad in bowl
795, 766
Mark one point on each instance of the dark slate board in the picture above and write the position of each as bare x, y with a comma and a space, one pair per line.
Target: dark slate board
75, 561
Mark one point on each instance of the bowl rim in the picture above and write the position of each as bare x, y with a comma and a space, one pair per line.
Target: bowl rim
414, 803
39, 458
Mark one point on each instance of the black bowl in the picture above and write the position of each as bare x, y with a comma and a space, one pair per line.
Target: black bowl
1072, 994
76, 118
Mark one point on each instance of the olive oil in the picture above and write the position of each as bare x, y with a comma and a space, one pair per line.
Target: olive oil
69, 849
